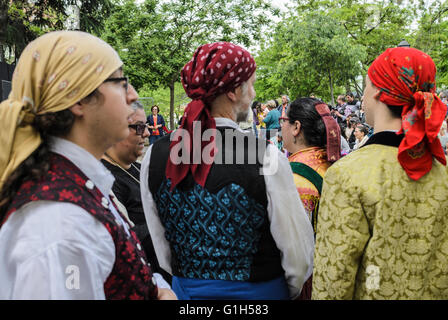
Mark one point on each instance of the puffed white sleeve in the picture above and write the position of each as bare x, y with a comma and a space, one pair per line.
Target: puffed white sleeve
289, 224
156, 229
54, 250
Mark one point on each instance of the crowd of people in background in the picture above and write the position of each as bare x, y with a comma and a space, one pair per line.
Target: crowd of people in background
348, 112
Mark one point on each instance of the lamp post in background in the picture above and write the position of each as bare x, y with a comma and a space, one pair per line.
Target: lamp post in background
404, 43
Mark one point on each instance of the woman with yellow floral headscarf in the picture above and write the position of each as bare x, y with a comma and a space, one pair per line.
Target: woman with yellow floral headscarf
61, 235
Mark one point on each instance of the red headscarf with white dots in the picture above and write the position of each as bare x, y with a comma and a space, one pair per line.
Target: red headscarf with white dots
215, 69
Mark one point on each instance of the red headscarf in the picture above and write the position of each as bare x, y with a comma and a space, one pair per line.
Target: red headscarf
406, 77
215, 69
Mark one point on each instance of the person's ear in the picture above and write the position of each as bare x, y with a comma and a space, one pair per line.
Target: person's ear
231, 95
297, 126
77, 109
377, 94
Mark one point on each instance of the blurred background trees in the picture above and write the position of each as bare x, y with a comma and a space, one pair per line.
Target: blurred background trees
314, 46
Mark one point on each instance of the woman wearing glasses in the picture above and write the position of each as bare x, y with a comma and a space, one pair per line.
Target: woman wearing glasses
121, 160
312, 137
61, 234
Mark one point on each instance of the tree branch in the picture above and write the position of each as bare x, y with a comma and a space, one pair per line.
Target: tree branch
354, 37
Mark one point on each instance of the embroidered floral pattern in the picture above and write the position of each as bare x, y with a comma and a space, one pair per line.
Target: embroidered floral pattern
376, 217
409, 120
36, 55
417, 151
71, 49
429, 99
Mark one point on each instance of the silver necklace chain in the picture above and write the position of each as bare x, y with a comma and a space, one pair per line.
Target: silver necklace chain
119, 166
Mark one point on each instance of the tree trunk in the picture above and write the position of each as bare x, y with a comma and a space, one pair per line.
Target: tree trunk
358, 89
171, 86
331, 87
3, 22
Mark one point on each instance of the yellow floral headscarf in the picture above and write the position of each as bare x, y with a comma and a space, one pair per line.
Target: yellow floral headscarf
54, 72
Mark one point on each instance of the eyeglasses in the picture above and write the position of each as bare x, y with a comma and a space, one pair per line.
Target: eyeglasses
139, 128
282, 120
119, 80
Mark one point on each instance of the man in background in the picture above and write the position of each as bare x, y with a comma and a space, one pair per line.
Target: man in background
121, 160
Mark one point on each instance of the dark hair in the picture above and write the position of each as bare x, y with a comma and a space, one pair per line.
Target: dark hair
255, 104
363, 129
155, 106
304, 110
137, 105
37, 164
395, 110
350, 94
341, 97
34, 167
354, 118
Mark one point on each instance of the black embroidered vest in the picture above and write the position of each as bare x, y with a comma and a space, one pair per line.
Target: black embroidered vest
221, 231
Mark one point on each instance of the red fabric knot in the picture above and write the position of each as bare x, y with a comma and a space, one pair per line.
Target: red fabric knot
333, 133
210, 73
410, 82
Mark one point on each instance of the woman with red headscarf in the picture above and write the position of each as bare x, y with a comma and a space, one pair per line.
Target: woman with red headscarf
384, 209
225, 227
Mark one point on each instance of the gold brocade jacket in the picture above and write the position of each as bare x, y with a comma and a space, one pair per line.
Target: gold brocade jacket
381, 235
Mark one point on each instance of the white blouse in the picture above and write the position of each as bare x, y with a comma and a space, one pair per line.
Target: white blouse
359, 144
289, 224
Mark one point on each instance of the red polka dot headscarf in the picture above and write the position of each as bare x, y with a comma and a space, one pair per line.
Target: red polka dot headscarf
215, 69
406, 77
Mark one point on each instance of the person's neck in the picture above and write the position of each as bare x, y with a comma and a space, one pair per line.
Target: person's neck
298, 145
384, 121
222, 108
224, 114
111, 156
96, 149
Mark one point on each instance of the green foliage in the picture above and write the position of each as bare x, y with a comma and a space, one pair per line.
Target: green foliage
432, 37
340, 38
93, 14
161, 97
155, 39
376, 26
319, 46
309, 55
25, 20
130, 31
